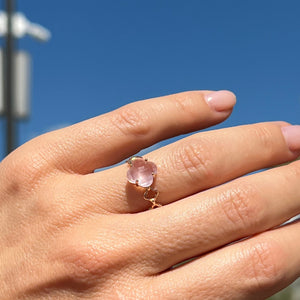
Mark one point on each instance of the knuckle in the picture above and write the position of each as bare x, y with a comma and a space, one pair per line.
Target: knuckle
185, 102
286, 172
266, 264
132, 120
26, 170
88, 256
241, 207
192, 159
264, 135
84, 259
87, 264
90, 264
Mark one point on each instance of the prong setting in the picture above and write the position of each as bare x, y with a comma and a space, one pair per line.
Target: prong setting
142, 173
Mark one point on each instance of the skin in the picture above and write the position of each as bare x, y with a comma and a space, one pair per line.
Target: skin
70, 233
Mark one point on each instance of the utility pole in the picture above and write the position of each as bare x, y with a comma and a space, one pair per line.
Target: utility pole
9, 79
14, 68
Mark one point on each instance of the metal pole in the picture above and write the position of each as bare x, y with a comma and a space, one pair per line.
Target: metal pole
9, 80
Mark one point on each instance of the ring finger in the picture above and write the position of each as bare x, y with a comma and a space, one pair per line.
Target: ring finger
216, 217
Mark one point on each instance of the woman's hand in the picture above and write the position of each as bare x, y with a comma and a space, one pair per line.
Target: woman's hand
67, 232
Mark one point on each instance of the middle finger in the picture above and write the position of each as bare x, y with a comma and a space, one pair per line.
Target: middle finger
191, 165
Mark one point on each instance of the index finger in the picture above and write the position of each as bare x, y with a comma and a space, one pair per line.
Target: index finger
112, 137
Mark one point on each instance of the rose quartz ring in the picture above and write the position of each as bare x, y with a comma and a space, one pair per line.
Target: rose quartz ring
142, 173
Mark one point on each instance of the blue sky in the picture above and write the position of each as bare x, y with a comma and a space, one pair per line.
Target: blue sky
104, 54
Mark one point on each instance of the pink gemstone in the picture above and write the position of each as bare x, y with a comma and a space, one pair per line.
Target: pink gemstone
141, 172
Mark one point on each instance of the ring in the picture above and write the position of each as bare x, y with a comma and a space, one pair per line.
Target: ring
142, 173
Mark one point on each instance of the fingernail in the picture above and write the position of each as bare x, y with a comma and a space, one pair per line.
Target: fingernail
292, 136
221, 100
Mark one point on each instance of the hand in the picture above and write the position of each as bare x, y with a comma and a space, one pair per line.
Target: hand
70, 233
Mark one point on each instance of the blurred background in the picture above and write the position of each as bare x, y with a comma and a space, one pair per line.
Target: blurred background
104, 54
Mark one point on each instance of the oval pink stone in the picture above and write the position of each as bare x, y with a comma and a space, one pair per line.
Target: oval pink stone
141, 172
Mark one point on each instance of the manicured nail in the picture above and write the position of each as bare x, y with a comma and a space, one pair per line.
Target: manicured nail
221, 100
292, 136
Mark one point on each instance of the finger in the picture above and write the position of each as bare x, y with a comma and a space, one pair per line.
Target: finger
193, 164
219, 216
110, 138
252, 269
